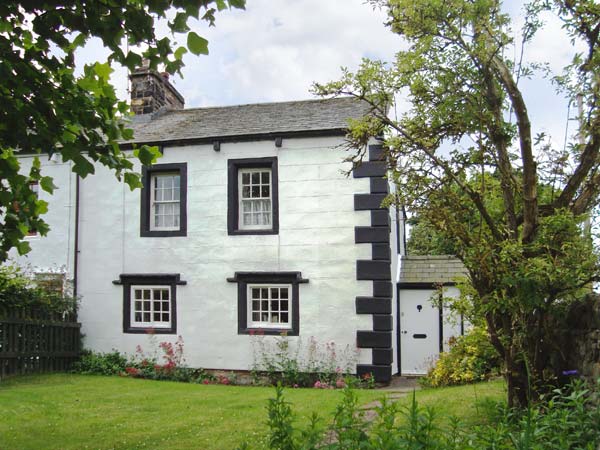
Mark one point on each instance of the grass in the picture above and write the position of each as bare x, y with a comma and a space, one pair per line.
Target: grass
64, 411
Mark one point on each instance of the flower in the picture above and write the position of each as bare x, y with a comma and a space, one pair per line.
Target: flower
317, 384
340, 383
205, 381
132, 371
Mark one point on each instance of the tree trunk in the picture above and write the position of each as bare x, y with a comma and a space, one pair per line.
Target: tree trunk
517, 381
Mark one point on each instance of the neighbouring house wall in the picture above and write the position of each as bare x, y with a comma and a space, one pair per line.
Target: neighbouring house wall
53, 253
316, 237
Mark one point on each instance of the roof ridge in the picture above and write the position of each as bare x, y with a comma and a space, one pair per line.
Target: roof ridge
308, 100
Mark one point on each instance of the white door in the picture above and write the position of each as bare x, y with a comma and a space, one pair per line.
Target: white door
419, 331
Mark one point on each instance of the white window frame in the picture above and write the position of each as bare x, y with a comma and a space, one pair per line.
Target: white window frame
153, 202
269, 325
152, 323
250, 171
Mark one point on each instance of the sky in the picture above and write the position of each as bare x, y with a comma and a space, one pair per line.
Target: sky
275, 50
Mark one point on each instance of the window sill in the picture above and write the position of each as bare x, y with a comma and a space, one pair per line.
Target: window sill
268, 331
149, 330
163, 233
250, 232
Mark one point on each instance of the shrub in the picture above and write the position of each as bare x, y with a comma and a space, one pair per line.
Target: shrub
18, 290
569, 419
280, 360
471, 358
94, 363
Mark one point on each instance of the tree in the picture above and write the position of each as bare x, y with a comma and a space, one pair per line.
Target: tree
513, 203
45, 107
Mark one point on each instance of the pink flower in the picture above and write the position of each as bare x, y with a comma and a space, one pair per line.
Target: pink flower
340, 384
205, 381
317, 384
295, 385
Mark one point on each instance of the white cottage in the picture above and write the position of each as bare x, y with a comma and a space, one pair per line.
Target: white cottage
247, 223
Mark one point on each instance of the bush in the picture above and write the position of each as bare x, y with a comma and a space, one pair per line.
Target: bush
471, 358
567, 420
93, 363
18, 290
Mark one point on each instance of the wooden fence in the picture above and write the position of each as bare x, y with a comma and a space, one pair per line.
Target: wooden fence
34, 341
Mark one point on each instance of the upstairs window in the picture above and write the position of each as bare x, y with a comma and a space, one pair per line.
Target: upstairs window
255, 202
164, 200
253, 197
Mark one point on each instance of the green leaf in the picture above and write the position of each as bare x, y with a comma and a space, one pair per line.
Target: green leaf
197, 44
23, 247
103, 70
133, 180
239, 4
147, 155
82, 166
179, 24
47, 184
180, 52
221, 5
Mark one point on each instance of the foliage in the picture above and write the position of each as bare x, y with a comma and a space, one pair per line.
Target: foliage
93, 363
286, 361
424, 239
471, 358
568, 419
46, 107
17, 290
468, 162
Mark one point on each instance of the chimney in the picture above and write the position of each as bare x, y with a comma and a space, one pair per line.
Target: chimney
151, 91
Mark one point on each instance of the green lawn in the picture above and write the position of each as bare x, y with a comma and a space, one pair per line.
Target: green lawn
93, 412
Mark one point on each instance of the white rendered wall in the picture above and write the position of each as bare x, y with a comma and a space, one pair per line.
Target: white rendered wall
316, 237
54, 252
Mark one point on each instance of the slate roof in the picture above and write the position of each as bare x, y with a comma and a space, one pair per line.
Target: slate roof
243, 121
430, 269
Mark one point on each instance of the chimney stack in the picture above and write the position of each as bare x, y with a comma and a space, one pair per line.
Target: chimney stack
151, 91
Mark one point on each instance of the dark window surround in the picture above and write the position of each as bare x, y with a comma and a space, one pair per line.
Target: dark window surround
244, 278
233, 166
148, 279
147, 173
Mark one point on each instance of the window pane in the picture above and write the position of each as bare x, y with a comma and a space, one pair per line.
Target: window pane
284, 305
165, 306
255, 305
146, 294
146, 306
265, 177
138, 316
265, 191
138, 294
265, 305
246, 192
157, 317
165, 294
165, 317
256, 317
255, 293
157, 306
283, 292
147, 317
156, 294
274, 292
176, 181
275, 318
274, 305
255, 177
264, 292
285, 318
138, 306
255, 191
245, 178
